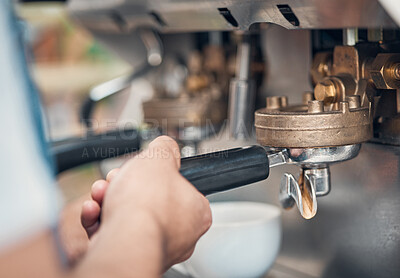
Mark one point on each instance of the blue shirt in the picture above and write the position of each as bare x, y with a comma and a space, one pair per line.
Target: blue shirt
29, 200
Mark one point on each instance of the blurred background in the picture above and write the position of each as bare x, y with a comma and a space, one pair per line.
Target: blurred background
66, 62
191, 84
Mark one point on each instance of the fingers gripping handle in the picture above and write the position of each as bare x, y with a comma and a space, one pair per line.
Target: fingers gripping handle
224, 170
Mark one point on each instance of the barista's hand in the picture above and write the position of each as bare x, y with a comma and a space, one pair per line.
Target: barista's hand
91, 209
151, 184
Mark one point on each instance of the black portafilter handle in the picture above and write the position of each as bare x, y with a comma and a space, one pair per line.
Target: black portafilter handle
224, 170
76, 151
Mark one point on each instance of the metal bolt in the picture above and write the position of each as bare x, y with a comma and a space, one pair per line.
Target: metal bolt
350, 36
354, 101
396, 71
344, 106
315, 106
307, 96
284, 101
274, 102
325, 91
375, 34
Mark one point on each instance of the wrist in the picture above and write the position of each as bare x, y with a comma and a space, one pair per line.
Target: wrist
134, 239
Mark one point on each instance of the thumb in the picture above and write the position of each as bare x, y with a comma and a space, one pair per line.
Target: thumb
166, 148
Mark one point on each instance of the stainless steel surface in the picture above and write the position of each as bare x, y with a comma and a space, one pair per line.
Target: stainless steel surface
356, 232
320, 178
322, 155
242, 95
119, 16
278, 158
241, 108
243, 60
313, 156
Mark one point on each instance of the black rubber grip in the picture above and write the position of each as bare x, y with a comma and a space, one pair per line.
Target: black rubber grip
224, 170
73, 152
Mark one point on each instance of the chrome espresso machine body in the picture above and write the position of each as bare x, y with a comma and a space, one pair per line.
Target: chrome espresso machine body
326, 84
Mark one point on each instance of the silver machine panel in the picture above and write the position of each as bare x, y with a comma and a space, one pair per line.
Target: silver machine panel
205, 15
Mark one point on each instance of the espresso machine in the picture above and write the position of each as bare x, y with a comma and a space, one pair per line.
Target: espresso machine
315, 82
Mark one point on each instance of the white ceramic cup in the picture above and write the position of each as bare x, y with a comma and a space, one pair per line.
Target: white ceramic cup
242, 242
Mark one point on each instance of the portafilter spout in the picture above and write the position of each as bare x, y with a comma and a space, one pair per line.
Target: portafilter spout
314, 178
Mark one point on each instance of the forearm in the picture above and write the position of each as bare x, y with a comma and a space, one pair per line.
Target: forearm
116, 251
121, 250
35, 257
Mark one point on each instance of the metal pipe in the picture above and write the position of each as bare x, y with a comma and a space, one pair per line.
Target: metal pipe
242, 95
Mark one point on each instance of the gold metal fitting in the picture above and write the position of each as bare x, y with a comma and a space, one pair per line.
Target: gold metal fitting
321, 66
385, 71
326, 91
396, 71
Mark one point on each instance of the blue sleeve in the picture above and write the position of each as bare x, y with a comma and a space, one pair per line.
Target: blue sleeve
29, 200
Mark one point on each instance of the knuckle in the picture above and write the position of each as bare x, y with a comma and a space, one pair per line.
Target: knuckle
187, 255
163, 141
112, 174
207, 214
208, 219
164, 138
166, 146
